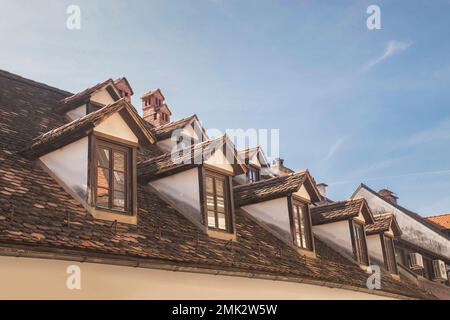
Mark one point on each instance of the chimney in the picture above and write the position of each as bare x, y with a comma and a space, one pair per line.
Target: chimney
124, 88
322, 189
388, 195
278, 167
155, 109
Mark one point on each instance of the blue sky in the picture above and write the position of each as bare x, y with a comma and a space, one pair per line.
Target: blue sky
353, 105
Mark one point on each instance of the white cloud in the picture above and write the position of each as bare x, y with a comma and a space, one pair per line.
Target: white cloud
392, 48
334, 148
440, 132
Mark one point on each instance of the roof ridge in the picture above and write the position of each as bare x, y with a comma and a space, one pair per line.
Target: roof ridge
438, 215
16, 77
269, 180
175, 122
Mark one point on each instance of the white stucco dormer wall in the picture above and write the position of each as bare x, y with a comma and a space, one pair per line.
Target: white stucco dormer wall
412, 230
76, 113
102, 96
274, 214
338, 233
303, 193
70, 165
115, 126
219, 160
182, 191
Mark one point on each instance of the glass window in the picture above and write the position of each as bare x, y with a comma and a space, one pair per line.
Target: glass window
217, 204
391, 263
360, 243
302, 230
111, 176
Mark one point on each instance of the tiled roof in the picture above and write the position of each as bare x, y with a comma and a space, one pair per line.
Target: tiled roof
38, 215
269, 189
178, 161
442, 220
165, 131
383, 223
336, 211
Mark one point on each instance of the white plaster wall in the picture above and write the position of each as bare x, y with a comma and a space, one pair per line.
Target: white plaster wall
338, 233
76, 113
115, 126
218, 159
374, 247
274, 213
184, 190
24, 278
302, 192
70, 165
102, 96
413, 231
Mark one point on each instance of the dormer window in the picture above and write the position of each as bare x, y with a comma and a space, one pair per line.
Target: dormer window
112, 176
301, 225
217, 201
253, 174
389, 253
359, 243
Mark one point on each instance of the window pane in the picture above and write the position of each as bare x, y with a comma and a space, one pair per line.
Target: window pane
103, 157
209, 185
102, 197
220, 204
222, 222
103, 178
119, 201
119, 161
210, 202
211, 219
119, 181
219, 187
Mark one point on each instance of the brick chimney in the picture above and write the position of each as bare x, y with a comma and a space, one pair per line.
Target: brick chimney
155, 109
388, 195
124, 88
322, 187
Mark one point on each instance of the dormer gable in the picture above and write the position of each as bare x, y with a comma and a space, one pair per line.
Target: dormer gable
380, 241
197, 181
342, 224
180, 134
281, 205
258, 166
89, 100
92, 159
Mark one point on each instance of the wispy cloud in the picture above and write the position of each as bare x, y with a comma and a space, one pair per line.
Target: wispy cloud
334, 148
392, 48
440, 132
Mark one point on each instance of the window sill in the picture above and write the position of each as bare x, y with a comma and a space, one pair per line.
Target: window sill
222, 235
305, 252
112, 216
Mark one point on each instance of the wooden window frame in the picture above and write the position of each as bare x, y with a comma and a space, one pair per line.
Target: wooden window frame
228, 199
356, 244
130, 174
293, 202
390, 260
